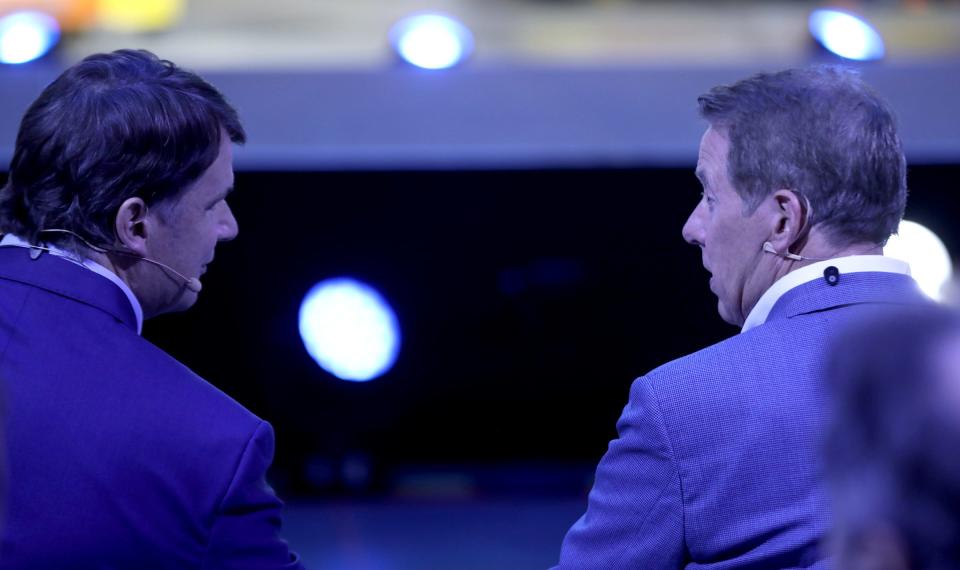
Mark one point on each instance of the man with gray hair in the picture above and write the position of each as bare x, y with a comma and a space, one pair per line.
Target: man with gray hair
717, 464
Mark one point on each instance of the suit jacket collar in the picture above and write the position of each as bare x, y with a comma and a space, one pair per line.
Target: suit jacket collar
851, 289
67, 279
820, 270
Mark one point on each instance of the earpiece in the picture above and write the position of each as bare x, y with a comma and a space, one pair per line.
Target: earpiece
768, 247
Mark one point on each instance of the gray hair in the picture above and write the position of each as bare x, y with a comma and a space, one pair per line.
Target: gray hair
822, 133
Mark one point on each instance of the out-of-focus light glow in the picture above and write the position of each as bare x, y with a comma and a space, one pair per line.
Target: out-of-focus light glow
76, 15
27, 35
928, 258
846, 35
140, 15
349, 329
431, 41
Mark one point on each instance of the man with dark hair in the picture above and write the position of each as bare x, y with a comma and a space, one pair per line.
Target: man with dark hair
119, 456
716, 464
892, 443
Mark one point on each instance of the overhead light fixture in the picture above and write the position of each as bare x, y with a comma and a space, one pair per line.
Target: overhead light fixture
431, 41
27, 35
846, 35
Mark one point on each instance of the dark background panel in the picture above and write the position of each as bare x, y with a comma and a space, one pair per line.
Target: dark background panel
528, 302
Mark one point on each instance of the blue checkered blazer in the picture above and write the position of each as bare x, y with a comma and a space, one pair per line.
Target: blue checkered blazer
717, 460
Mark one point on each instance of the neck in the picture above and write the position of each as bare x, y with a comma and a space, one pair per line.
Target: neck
772, 267
126, 268
818, 248
108, 262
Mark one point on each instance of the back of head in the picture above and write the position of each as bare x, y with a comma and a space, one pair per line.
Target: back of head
892, 447
820, 132
114, 126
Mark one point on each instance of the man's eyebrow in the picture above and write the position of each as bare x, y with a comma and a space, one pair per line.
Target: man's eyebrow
701, 176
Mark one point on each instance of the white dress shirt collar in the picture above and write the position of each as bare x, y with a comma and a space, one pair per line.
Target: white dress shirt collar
851, 264
16, 241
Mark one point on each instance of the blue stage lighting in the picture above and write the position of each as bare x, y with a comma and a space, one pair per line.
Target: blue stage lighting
26, 36
846, 35
349, 329
431, 41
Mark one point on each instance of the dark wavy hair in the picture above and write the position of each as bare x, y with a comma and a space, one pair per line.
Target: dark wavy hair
823, 133
114, 126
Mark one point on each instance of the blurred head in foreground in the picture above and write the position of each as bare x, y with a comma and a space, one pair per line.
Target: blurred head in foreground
893, 447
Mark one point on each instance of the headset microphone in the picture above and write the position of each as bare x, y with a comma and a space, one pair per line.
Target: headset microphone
191, 283
768, 247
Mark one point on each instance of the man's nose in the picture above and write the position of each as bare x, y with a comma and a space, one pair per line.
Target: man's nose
228, 226
693, 228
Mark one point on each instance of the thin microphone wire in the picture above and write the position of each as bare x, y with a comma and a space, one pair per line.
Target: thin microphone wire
768, 247
191, 283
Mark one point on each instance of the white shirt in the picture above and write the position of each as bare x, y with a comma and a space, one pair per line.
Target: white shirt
851, 264
16, 241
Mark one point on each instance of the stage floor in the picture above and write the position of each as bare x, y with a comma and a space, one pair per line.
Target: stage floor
504, 533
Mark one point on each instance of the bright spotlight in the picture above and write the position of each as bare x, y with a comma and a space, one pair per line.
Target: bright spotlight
431, 41
349, 329
26, 36
846, 35
928, 258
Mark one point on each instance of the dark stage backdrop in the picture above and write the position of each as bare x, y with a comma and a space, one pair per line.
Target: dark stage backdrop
528, 301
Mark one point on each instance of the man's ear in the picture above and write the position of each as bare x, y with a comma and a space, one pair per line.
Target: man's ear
132, 226
787, 219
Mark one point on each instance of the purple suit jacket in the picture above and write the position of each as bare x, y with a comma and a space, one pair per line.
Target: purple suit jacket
717, 464
120, 456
